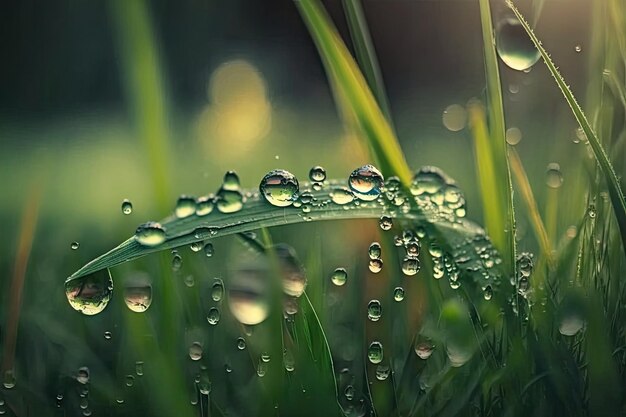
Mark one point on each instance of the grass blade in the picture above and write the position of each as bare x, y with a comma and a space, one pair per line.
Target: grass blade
347, 78
498, 211
613, 184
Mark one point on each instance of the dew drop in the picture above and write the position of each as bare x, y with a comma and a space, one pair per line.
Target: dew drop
514, 46
195, 351
317, 174
150, 234
214, 316
454, 117
294, 277
571, 324
279, 187
177, 262
398, 294
349, 392
229, 198
375, 265
374, 310
74, 245
513, 136
90, 294
185, 207
130, 380
554, 177
366, 182
458, 355
428, 180
289, 362
82, 376
241, 343
382, 372
208, 250
127, 207
108, 335
591, 211
139, 368
488, 293
265, 357
410, 266
375, 352
578, 48
424, 349
204, 205
217, 290
8, 379
261, 369
247, 295
138, 292
341, 196
339, 277
374, 251
196, 246
385, 222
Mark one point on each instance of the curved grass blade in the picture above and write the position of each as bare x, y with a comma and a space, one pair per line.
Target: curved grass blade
347, 78
612, 181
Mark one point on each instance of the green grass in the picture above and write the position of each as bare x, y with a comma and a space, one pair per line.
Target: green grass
509, 337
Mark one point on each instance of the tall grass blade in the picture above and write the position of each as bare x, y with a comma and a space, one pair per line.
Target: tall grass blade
499, 212
612, 181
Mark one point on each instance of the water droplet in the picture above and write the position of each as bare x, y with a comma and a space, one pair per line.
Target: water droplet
289, 362
150, 234
217, 290
82, 376
428, 180
385, 222
375, 352
514, 46
265, 357
74, 245
294, 278
241, 343
374, 250
196, 246
177, 262
458, 355
214, 316
375, 265
578, 48
435, 250
261, 369
317, 174
195, 351
382, 372
139, 368
279, 187
229, 198
208, 250
374, 310
247, 295
488, 293
349, 392
8, 379
339, 277
570, 325
108, 335
424, 349
454, 117
592, 211
398, 294
513, 136
138, 292
204, 205
410, 266
366, 182
554, 178
185, 207
90, 294
341, 196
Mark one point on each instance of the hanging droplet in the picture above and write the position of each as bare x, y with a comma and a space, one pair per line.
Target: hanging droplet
74, 245
554, 177
90, 294
214, 316
514, 46
375, 352
138, 292
204, 205
374, 310
385, 222
513, 136
366, 182
398, 294
454, 117
195, 351
185, 206
261, 369
339, 277
374, 250
150, 234
375, 265
289, 362
130, 380
458, 355
127, 207
279, 187
317, 174
217, 290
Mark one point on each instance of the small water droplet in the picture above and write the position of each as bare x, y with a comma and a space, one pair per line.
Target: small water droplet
554, 178
488, 293
289, 362
349, 392
231, 181
513, 136
177, 262
90, 294
317, 174
196, 246
514, 46
195, 351
398, 294
424, 349
592, 211
130, 380
578, 48
138, 292
385, 222
247, 295
150, 234
185, 206
454, 117
339, 277
241, 343
374, 250
82, 376
229, 198
374, 310
279, 187
458, 355
8, 379
217, 290
208, 250
341, 196
294, 277
382, 372
366, 182
108, 335
204, 205
139, 368
214, 316
74, 245
127, 207
410, 266
265, 357
375, 353
375, 265
261, 369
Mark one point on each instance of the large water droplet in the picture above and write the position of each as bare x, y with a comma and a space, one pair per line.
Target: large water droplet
150, 234
341, 196
375, 265
513, 136
410, 266
317, 174
374, 310
339, 277
428, 180
571, 324
554, 178
127, 206
185, 206
279, 187
375, 352
90, 294
204, 205
138, 292
454, 117
366, 182
514, 46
